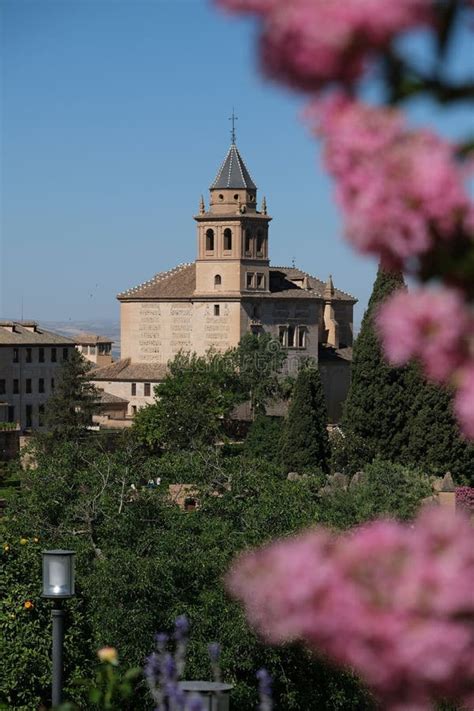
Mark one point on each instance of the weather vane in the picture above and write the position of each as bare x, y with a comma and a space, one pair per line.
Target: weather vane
233, 118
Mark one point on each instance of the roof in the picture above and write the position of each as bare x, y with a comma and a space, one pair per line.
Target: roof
126, 370
91, 339
233, 172
285, 282
328, 353
106, 398
29, 333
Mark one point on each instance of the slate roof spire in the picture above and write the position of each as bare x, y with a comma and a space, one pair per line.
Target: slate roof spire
233, 173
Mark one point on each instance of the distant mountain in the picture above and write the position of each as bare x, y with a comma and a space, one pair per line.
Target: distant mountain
101, 327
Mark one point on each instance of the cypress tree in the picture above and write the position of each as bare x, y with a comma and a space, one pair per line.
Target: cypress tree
434, 441
305, 441
379, 403
70, 408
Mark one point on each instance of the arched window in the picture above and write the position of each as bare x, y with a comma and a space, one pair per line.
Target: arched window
217, 280
227, 239
291, 337
248, 241
259, 243
209, 240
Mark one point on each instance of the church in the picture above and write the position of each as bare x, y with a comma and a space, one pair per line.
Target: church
229, 290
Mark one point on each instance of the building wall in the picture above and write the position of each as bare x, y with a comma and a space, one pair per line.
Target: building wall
336, 379
23, 371
343, 313
123, 388
153, 332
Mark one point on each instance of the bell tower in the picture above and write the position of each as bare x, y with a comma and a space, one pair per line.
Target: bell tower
232, 235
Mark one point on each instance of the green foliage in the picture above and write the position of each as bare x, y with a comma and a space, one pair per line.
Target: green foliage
378, 406
191, 402
305, 440
434, 440
385, 489
69, 409
259, 359
263, 440
25, 626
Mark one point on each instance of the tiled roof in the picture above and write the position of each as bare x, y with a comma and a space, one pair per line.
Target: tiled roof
180, 283
126, 370
91, 339
29, 333
106, 398
233, 173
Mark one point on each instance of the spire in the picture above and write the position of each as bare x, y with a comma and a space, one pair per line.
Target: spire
233, 118
202, 207
329, 288
233, 173
264, 205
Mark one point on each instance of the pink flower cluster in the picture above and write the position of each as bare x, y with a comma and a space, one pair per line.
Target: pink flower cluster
393, 601
401, 191
307, 43
437, 329
465, 498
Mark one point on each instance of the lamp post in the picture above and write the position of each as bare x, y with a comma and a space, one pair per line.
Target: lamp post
58, 585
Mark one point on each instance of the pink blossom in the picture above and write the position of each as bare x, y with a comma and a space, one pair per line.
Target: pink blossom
307, 43
401, 191
393, 601
431, 326
464, 400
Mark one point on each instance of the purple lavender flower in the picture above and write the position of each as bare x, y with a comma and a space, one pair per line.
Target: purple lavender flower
214, 650
265, 690
161, 640
181, 628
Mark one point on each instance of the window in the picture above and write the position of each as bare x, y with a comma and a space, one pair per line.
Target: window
147, 389
217, 310
29, 415
134, 409
260, 281
209, 240
11, 413
301, 337
249, 281
291, 337
217, 280
255, 312
41, 385
52, 383
282, 335
92, 350
28, 355
236, 196
16, 355
133, 389
41, 415
54, 355
28, 385
16, 386
65, 353
227, 239
248, 242
41, 355
259, 243
3, 387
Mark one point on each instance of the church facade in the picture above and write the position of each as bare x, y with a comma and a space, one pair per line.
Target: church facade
229, 290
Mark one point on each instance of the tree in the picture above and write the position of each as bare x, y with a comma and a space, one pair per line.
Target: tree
379, 403
259, 359
305, 441
191, 403
434, 439
263, 440
69, 410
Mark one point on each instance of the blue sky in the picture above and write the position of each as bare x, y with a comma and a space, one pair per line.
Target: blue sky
115, 120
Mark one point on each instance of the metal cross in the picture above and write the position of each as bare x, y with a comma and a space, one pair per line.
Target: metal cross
233, 118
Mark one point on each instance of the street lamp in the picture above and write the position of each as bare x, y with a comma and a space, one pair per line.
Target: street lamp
58, 585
